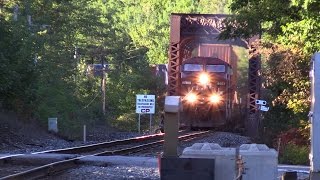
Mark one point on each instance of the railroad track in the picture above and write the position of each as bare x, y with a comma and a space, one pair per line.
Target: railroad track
119, 147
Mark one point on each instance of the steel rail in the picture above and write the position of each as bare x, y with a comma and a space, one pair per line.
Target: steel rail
92, 147
88, 148
147, 145
43, 171
59, 166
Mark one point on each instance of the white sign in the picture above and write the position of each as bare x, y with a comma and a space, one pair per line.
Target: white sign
145, 104
261, 105
264, 108
261, 102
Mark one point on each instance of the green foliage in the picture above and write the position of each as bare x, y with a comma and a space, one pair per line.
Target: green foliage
254, 17
17, 66
213, 7
129, 122
44, 61
242, 72
286, 75
294, 144
302, 34
126, 122
294, 154
44, 55
290, 33
147, 22
280, 118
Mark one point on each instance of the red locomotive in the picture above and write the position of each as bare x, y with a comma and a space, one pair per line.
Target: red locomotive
207, 92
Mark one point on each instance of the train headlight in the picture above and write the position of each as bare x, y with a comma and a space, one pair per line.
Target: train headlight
204, 79
191, 97
214, 98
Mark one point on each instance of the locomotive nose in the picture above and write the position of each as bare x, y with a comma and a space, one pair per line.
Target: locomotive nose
204, 79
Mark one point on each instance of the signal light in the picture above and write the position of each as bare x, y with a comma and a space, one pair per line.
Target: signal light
204, 79
191, 97
214, 98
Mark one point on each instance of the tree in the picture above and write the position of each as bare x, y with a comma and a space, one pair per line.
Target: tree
45, 47
213, 7
290, 33
16, 61
48, 53
147, 22
296, 26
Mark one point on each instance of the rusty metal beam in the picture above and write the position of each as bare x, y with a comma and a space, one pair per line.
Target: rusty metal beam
202, 24
254, 85
174, 70
174, 56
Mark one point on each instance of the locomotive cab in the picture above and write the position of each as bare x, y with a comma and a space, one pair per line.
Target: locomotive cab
206, 91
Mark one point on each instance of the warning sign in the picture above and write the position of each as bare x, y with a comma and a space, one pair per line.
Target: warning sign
145, 104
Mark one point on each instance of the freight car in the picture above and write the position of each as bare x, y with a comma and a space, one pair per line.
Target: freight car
207, 92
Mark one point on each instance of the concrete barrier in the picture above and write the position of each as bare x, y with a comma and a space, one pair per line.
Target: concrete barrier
225, 166
260, 162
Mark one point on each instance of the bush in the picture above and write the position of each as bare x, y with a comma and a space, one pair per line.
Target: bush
294, 154
129, 122
125, 122
293, 145
297, 136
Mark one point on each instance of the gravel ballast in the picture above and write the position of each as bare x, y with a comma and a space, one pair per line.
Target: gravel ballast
109, 172
127, 171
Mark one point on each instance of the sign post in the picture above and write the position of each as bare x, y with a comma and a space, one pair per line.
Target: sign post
150, 124
139, 123
145, 104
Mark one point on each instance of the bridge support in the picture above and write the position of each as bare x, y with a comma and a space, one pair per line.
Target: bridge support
254, 85
314, 118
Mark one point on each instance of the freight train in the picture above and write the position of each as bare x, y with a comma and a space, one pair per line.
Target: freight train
202, 70
207, 92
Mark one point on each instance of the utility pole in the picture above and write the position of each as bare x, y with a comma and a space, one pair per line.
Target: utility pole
314, 118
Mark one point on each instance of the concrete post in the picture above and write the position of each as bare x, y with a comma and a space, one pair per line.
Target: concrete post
314, 117
53, 125
84, 134
171, 125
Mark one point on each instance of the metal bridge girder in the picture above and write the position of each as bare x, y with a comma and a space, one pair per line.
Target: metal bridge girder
174, 70
254, 85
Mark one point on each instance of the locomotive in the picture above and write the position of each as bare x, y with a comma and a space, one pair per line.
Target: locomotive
207, 92
200, 71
